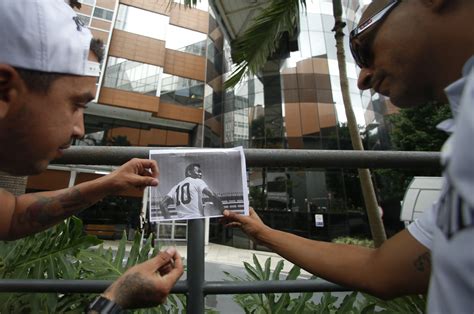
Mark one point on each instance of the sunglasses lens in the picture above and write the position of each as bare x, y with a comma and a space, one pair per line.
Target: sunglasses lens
357, 53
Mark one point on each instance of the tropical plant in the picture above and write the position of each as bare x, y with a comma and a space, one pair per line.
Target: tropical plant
272, 302
413, 129
65, 252
354, 302
47, 255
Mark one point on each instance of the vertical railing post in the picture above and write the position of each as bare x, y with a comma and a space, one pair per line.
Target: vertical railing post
195, 266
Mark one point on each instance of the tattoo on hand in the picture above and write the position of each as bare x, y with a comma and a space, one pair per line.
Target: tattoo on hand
48, 210
423, 262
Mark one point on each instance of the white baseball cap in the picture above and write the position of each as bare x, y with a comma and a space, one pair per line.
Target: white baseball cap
45, 35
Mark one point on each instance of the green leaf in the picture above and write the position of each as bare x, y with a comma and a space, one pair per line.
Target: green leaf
347, 305
294, 273
252, 271
121, 251
252, 49
277, 271
266, 273
258, 267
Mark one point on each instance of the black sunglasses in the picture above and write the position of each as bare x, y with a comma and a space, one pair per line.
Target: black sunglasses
360, 53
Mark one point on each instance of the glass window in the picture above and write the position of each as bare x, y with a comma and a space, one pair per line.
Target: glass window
182, 91
202, 5
103, 14
182, 39
314, 22
141, 22
132, 76
318, 47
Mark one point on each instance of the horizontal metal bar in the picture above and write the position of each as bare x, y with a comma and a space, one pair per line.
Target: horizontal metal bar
107, 155
210, 287
65, 286
273, 286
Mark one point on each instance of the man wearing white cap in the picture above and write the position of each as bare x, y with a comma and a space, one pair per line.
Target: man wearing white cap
49, 66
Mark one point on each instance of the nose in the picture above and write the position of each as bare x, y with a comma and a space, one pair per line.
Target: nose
78, 128
365, 78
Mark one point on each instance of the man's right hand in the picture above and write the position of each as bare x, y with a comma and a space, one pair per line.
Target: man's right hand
252, 225
147, 284
136, 173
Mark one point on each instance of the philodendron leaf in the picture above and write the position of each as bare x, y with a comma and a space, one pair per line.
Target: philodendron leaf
277, 271
258, 267
347, 305
266, 272
54, 259
252, 271
294, 273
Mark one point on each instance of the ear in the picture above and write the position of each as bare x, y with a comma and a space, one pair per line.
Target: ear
435, 5
10, 82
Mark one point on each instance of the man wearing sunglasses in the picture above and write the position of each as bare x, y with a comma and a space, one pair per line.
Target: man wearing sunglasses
412, 51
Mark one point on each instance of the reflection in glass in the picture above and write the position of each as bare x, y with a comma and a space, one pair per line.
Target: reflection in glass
103, 14
182, 91
141, 22
132, 76
186, 40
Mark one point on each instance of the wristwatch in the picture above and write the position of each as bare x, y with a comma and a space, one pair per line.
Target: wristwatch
103, 305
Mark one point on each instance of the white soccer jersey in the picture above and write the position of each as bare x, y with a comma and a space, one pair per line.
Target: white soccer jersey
187, 196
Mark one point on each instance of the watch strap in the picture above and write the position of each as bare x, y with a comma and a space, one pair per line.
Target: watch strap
103, 305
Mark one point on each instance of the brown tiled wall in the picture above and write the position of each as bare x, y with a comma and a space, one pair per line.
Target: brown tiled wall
327, 115
309, 118
158, 6
85, 9
108, 4
180, 113
185, 65
100, 34
293, 119
120, 98
190, 18
153, 137
137, 48
100, 24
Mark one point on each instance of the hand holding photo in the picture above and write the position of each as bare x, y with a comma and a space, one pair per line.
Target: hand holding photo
198, 183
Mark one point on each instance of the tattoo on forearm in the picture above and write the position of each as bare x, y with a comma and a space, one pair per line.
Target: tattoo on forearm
48, 210
423, 262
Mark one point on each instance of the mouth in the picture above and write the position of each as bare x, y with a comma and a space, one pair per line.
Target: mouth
60, 150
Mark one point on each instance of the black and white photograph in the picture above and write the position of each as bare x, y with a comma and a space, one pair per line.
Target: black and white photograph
198, 183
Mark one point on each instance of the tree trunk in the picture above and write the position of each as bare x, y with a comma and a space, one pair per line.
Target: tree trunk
14, 185
375, 221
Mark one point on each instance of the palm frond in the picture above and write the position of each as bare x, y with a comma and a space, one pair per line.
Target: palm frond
251, 50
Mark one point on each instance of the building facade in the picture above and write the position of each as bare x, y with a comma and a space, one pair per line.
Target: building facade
162, 86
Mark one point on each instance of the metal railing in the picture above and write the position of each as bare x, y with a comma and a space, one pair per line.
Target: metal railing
195, 286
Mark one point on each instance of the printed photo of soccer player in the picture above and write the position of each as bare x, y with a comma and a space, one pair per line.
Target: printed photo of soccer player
198, 183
